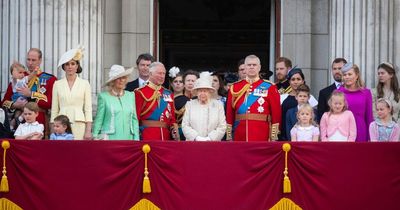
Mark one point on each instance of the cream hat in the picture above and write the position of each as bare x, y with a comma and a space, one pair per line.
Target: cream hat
117, 71
204, 81
73, 54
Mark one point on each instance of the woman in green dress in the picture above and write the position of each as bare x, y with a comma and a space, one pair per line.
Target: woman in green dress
116, 113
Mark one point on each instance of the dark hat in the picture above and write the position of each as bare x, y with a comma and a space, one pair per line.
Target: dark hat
231, 77
294, 71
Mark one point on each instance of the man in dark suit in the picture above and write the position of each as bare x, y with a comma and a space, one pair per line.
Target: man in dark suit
143, 62
325, 93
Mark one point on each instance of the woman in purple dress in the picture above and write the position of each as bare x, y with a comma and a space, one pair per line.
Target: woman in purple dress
359, 99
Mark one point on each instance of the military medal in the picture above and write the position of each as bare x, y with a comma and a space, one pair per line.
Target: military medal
42, 90
167, 114
261, 101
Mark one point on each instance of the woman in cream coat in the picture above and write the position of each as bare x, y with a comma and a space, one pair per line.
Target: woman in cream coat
116, 117
204, 118
72, 96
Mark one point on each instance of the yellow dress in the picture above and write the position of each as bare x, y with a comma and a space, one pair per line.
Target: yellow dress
75, 103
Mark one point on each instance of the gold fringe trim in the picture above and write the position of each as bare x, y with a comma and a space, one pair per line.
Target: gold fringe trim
4, 180
6, 204
274, 131
285, 204
286, 181
146, 181
144, 204
229, 132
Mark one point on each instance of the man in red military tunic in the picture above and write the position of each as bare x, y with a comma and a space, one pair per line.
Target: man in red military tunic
39, 89
155, 107
253, 110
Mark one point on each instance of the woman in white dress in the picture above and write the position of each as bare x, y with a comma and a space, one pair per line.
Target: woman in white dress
204, 118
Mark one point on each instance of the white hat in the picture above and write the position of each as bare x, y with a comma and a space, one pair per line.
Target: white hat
204, 81
117, 71
173, 72
73, 54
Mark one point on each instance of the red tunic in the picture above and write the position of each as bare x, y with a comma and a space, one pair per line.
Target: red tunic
155, 104
253, 111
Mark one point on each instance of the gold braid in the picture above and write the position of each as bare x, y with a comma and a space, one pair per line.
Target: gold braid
236, 95
155, 97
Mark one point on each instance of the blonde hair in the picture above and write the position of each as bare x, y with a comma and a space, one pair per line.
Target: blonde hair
359, 83
32, 106
340, 95
387, 103
306, 107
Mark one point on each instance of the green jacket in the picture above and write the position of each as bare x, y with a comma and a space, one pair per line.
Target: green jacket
116, 117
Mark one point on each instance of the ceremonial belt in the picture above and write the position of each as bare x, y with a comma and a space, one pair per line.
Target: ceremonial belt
258, 117
153, 123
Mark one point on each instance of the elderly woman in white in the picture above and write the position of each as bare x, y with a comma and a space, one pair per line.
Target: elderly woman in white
204, 118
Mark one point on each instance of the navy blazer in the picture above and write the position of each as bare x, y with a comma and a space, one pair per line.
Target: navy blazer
131, 86
323, 98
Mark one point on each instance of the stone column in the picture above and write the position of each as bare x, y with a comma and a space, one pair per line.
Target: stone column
365, 33
54, 26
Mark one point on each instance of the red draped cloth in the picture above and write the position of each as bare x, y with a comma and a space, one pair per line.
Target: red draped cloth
197, 175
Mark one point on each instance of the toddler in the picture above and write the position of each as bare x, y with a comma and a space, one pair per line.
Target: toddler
305, 129
62, 129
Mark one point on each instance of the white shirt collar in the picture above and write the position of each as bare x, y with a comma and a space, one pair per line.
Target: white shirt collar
142, 82
337, 84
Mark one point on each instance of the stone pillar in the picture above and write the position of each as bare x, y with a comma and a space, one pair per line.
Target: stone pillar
135, 31
365, 33
305, 39
54, 26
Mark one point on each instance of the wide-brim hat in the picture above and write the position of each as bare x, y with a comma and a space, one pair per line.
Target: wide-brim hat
204, 82
117, 71
73, 54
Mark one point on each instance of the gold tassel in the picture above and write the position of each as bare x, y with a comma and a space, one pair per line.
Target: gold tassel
4, 181
146, 180
286, 181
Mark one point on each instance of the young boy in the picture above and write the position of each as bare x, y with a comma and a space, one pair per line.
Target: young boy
31, 129
302, 97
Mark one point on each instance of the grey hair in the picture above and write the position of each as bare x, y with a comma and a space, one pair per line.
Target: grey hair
154, 65
252, 57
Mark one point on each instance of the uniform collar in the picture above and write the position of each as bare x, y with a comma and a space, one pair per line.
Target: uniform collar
251, 81
154, 86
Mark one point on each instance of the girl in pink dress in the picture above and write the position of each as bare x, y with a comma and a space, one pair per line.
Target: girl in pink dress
384, 128
339, 123
305, 128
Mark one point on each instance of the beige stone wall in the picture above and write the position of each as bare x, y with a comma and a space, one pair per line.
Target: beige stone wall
127, 32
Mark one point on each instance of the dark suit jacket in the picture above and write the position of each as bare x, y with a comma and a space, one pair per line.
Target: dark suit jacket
323, 98
131, 86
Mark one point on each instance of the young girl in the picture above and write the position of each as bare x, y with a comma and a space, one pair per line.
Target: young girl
31, 129
305, 128
384, 128
62, 129
338, 124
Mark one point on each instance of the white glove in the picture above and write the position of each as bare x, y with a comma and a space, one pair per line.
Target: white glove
200, 138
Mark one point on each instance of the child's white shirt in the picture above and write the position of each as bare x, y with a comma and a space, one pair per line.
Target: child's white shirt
27, 128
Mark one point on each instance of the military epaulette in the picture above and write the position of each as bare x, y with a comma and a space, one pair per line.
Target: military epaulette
265, 80
238, 81
167, 90
46, 75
